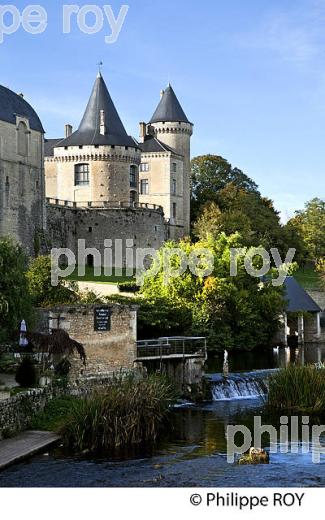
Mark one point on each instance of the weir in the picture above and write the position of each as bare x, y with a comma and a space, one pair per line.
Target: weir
241, 385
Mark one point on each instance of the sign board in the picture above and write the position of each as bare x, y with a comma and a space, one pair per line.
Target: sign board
102, 319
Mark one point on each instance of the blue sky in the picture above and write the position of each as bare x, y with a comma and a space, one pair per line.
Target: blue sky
249, 74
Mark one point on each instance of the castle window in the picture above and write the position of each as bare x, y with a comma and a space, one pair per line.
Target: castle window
81, 175
144, 167
174, 167
144, 187
174, 209
133, 197
22, 139
174, 187
133, 176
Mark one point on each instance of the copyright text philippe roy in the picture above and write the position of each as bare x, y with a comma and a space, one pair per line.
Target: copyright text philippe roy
247, 502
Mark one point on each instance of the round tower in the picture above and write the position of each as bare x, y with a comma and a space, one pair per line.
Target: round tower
99, 162
172, 128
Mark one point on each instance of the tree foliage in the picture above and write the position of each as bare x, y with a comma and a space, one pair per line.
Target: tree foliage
309, 223
15, 301
234, 312
41, 289
210, 175
224, 199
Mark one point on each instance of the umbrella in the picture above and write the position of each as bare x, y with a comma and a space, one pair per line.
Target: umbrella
23, 341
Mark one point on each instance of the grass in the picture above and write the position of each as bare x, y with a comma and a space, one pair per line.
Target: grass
127, 413
298, 388
308, 278
90, 277
54, 414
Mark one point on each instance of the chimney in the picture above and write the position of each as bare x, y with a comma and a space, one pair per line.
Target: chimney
21, 95
143, 132
102, 128
67, 130
162, 92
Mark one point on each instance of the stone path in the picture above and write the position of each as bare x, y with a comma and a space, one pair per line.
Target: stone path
24, 445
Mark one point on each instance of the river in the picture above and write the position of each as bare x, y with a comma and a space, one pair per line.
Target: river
195, 451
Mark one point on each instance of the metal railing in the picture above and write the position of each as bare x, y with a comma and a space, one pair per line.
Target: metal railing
176, 346
103, 204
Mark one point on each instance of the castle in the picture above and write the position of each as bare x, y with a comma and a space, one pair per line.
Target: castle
98, 182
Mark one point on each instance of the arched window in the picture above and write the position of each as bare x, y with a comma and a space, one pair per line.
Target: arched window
81, 175
133, 197
133, 176
22, 139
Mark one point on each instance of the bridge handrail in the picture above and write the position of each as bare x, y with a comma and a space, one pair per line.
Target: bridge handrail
169, 346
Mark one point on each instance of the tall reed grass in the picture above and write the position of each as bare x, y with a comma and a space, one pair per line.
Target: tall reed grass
298, 388
126, 413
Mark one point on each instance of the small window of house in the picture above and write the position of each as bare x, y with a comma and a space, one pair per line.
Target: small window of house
144, 187
81, 175
144, 167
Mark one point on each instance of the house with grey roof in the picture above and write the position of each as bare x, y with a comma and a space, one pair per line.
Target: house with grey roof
301, 321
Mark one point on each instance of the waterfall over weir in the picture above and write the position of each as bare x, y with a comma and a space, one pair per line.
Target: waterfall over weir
243, 385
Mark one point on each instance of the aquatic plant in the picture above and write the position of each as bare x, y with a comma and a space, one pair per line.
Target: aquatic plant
300, 388
127, 412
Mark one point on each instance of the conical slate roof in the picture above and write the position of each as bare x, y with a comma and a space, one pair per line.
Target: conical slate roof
169, 109
88, 132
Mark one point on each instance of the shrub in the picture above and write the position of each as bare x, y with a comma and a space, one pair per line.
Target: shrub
26, 375
126, 413
298, 388
128, 287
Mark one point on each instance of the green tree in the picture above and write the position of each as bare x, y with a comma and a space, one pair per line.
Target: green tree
210, 174
309, 223
234, 312
253, 216
15, 301
42, 291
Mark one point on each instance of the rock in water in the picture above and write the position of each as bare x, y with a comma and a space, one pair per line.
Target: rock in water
254, 456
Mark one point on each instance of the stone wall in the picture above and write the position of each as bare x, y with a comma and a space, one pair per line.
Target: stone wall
22, 186
106, 351
17, 412
145, 228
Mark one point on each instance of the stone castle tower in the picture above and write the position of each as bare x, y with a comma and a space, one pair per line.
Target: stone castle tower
165, 172
22, 186
99, 167
99, 162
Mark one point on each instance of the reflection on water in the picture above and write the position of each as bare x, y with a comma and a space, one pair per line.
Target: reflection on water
269, 358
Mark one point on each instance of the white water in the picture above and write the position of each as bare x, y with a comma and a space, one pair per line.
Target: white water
239, 386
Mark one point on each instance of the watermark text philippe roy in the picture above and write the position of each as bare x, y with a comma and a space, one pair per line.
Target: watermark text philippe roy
121, 257
89, 19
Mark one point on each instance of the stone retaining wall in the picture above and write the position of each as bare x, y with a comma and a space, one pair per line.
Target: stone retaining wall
17, 412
